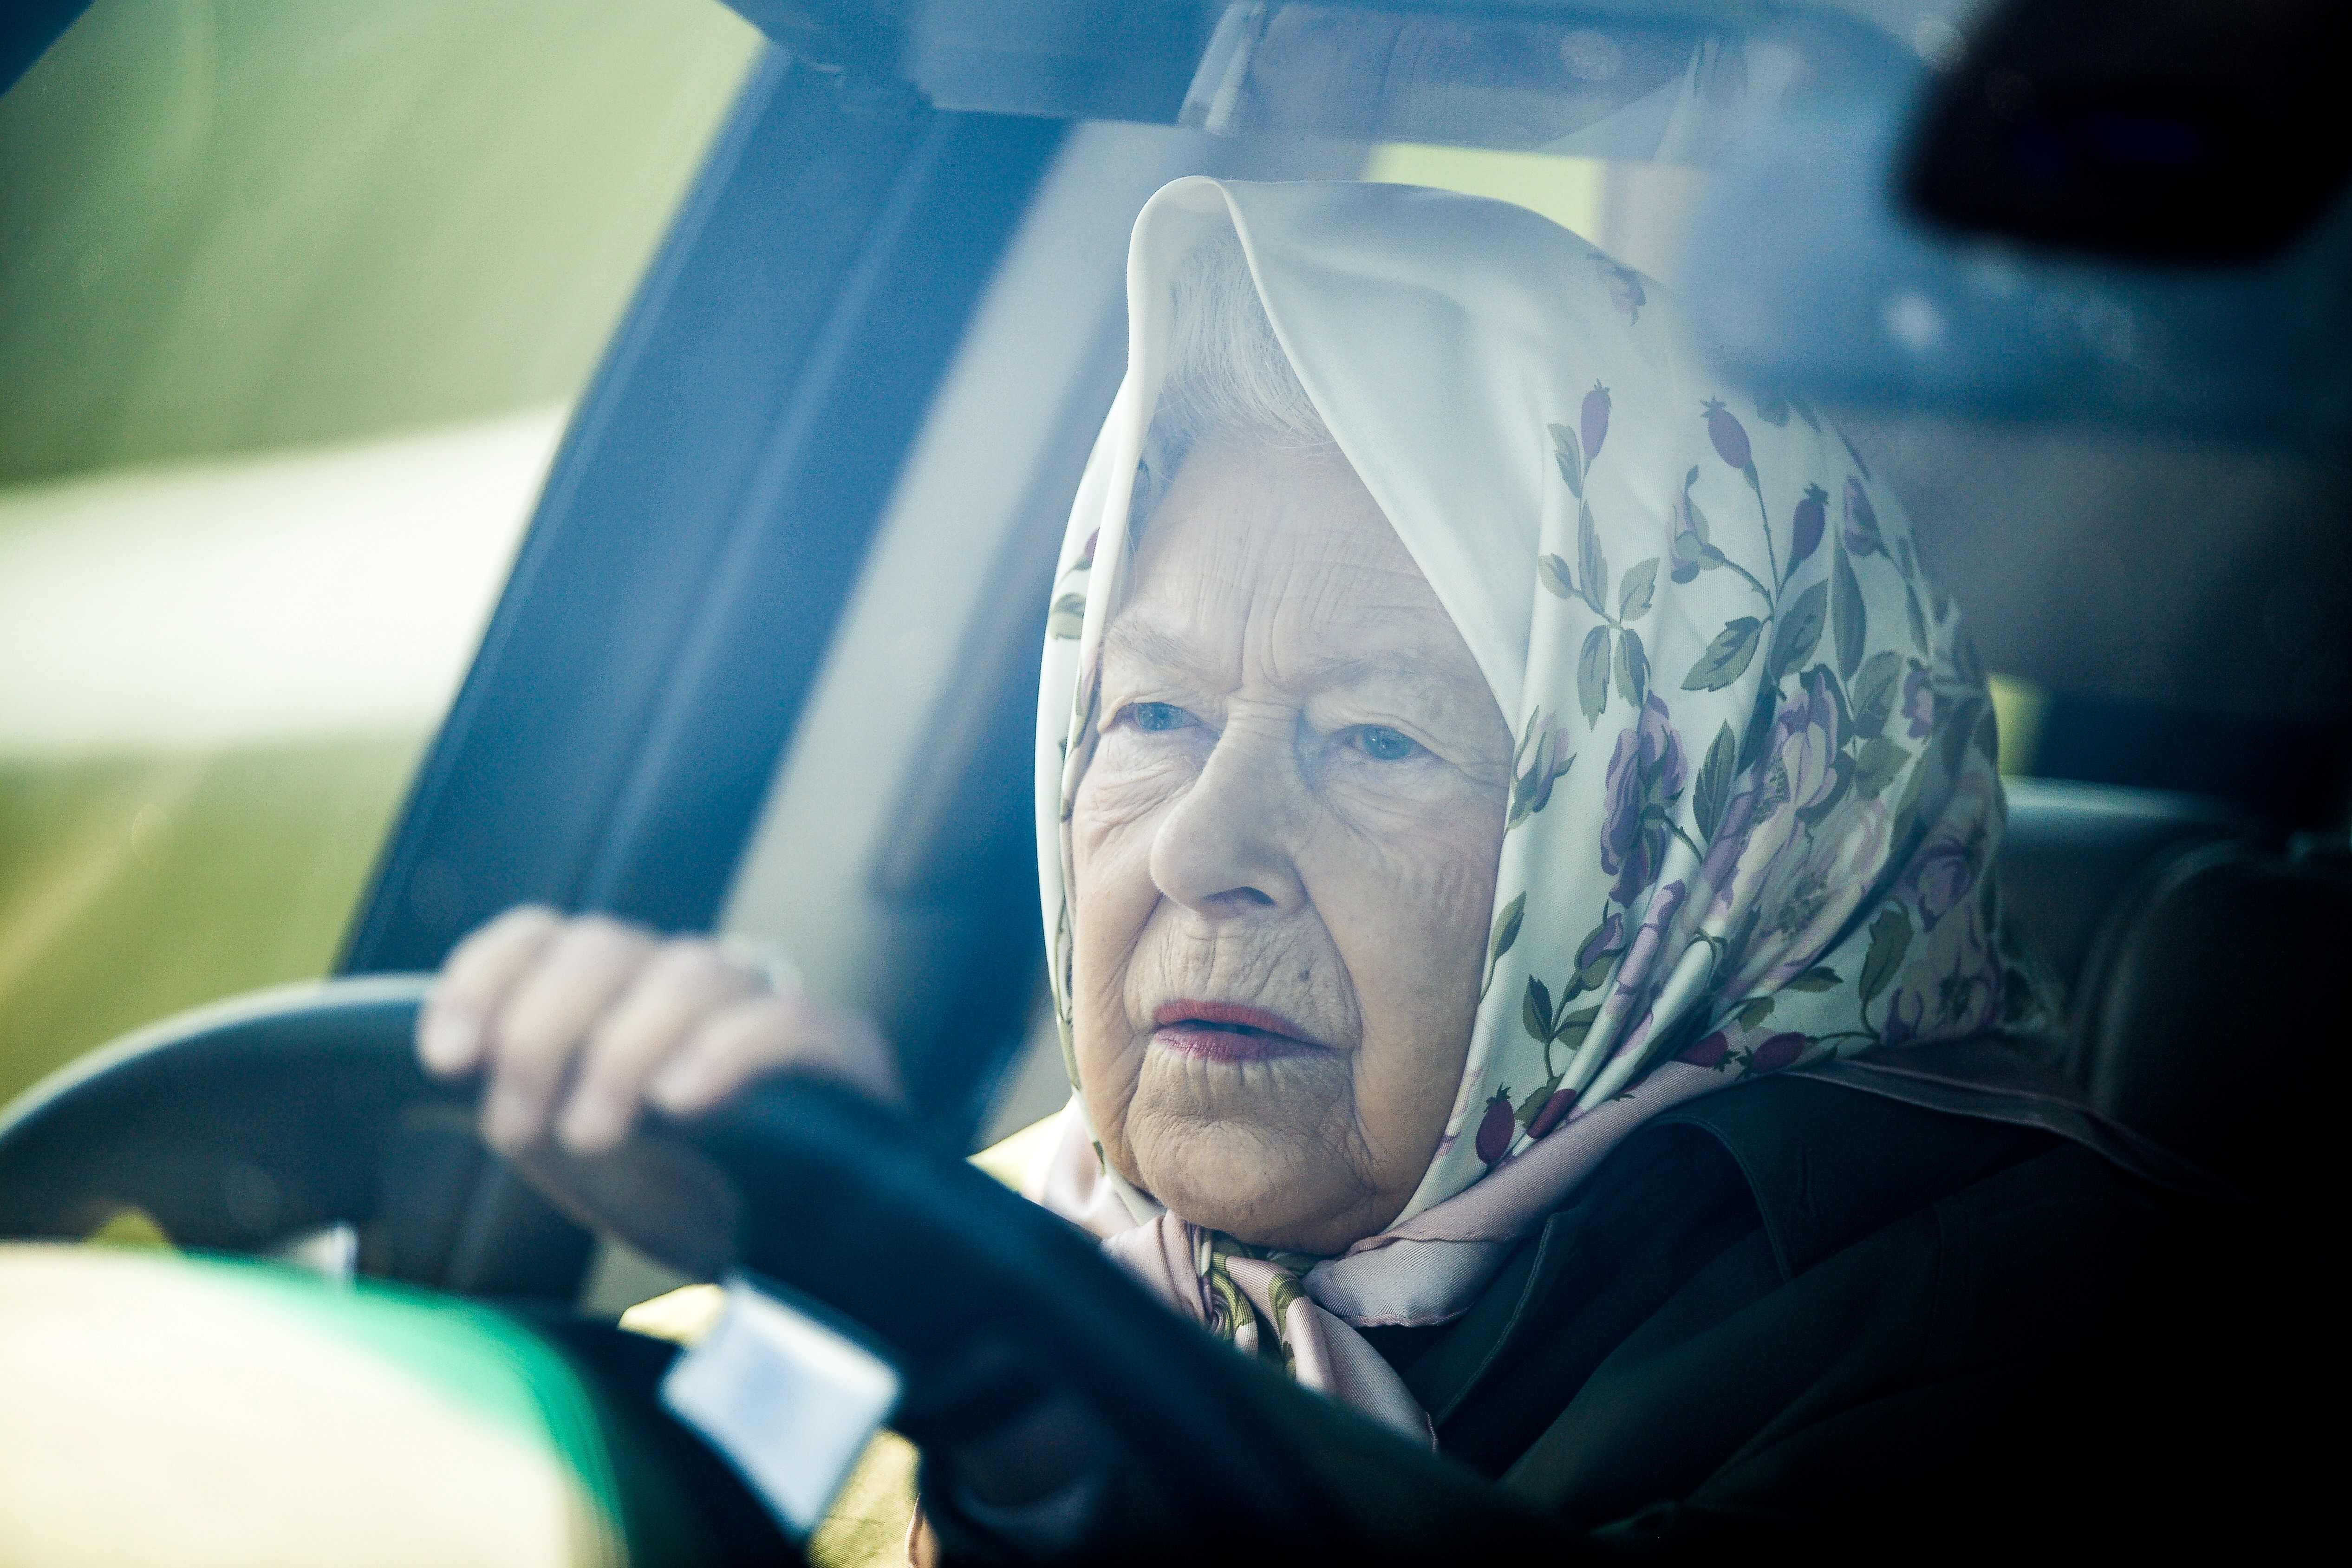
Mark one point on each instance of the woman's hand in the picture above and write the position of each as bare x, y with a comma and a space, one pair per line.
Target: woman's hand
576, 1021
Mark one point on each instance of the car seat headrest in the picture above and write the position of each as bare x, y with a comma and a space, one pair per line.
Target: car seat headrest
2211, 1006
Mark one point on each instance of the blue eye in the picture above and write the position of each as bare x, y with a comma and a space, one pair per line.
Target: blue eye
1153, 717
1382, 744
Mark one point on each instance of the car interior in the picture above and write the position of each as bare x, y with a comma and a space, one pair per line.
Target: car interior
2072, 284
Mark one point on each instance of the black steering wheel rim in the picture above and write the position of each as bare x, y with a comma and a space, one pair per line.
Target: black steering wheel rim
837, 1199
240, 1126
973, 1270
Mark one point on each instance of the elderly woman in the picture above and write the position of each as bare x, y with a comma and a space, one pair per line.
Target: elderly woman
1517, 835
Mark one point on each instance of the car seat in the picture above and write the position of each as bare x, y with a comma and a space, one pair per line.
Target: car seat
2207, 1014
2197, 960
2072, 849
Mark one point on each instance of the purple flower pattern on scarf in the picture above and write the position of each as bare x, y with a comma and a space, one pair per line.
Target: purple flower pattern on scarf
1797, 840
1918, 703
1646, 779
1607, 940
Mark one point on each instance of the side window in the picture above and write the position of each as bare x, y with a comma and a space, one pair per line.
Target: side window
293, 304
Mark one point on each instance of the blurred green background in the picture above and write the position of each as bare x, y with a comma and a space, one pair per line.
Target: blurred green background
238, 238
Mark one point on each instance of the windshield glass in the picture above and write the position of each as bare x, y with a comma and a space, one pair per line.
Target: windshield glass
293, 305
1542, 707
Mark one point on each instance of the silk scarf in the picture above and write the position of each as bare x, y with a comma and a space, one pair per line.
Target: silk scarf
1755, 810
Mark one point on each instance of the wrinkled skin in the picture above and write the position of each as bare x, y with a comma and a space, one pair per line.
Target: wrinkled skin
577, 1023
1295, 804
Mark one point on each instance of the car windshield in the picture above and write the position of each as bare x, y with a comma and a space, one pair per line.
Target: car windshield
2141, 576
1547, 705
295, 304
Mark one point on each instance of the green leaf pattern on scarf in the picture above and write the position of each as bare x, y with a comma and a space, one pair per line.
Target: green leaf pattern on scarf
1753, 812
1798, 809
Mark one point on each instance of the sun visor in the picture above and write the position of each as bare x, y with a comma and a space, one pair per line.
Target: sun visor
1597, 87
1669, 81
1811, 274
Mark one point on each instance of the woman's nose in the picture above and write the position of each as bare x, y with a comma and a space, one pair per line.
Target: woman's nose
1225, 848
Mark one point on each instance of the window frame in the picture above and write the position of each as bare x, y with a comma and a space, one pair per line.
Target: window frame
706, 518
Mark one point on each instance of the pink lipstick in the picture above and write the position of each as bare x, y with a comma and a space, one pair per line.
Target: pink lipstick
1227, 1031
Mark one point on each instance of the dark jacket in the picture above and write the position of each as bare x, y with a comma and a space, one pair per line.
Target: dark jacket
1777, 1303
1792, 1309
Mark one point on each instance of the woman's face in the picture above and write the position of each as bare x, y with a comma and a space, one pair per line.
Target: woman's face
1284, 851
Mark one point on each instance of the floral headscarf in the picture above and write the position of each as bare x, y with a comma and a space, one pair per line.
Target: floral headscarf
1755, 810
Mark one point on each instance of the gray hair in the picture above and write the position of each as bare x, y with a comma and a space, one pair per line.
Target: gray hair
1228, 377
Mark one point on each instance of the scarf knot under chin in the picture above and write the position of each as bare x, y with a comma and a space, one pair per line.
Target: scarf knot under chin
1257, 1298
1254, 1318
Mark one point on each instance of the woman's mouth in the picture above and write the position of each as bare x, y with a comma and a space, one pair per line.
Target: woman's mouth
1226, 1031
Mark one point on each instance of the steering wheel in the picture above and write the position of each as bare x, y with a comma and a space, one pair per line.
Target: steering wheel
255, 1123
239, 1126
